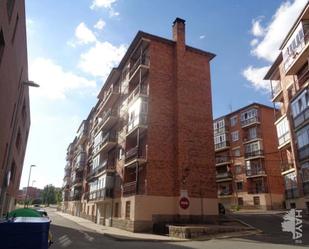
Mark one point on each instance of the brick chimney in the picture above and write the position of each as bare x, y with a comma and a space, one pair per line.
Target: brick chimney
179, 31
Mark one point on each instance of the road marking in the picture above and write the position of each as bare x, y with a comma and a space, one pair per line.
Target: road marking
87, 237
64, 241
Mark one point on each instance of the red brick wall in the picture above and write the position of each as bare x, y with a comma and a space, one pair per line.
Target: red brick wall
13, 71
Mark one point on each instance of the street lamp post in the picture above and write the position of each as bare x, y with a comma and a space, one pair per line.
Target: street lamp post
6, 170
28, 184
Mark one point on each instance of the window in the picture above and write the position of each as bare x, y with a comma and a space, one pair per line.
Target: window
15, 28
305, 171
116, 211
252, 133
300, 103
24, 113
239, 186
252, 113
303, 137
253, 147
282, 130
236, 152
2, 44
10, 7
256, 200
233, 120
235, 136
12, 175
18, 140
120, 154
290, 181
128, 211
220, 139
238, 169
219, 124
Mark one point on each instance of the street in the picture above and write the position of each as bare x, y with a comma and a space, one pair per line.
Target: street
68, 234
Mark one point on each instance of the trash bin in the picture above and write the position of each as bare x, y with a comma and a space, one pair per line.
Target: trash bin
24, 233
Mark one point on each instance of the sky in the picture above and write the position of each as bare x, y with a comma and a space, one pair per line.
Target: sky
72, 46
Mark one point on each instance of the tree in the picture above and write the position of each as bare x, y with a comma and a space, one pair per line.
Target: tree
49, 195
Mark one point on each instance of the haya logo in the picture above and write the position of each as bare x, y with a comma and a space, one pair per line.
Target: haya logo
293, 223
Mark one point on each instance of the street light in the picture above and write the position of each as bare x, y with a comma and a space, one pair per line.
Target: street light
6, 171
33, 183
28, 184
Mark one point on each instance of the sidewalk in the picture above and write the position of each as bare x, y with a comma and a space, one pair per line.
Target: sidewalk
117, 233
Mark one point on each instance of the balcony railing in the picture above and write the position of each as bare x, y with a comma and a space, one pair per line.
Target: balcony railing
75, 197
303, 153
129, 188
291, 193
225, 144
100, 194
134, 153
223, 159
136, 122
276, 89
303, 77
142, 60
254, 153
110, 113
290, 58
249, 121
225, 192
257, 189
112, 91
141, 89
286, 166
224, 175
248, 137
93, 172
306, 188
255, 171
77, 180
301, 117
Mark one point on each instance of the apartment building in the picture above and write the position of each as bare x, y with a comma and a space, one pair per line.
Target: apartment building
147, 159
289, 78
248, 171
14, 100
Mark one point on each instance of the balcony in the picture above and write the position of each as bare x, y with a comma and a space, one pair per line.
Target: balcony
221, 130
284, 139
294, 58
255, 171
108, 141
225, 192
135, 155
258, 189
291, 193
303, 153
109, 98
222, 146
250, 121
221, 160
141, 63
286, 167
140, 91
248, 137
224, 176
139, 121
100, 194
98, 170
109, 118
80, 161
75, 197
257, 153
276, 91
82, 133
77, 181
301, 118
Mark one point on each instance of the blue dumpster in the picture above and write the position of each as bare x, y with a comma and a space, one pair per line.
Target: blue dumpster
24, 233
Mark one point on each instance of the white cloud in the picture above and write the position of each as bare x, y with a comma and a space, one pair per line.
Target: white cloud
257, 29
107, 4
254, 42
277, 29
100, 24
55, 83
101, 58
84, 35
102, 4
202, 37
255, 77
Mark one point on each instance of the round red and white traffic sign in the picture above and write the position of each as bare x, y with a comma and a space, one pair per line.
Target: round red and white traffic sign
184, 202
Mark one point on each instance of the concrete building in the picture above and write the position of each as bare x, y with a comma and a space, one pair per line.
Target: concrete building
289, 77
14, 100
147, 157
247, 161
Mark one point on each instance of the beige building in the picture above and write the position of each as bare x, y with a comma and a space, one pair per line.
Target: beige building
289, 76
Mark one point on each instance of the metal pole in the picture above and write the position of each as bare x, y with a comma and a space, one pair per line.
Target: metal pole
28, 185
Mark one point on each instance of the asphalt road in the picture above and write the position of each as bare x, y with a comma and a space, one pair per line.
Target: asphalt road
68, 234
